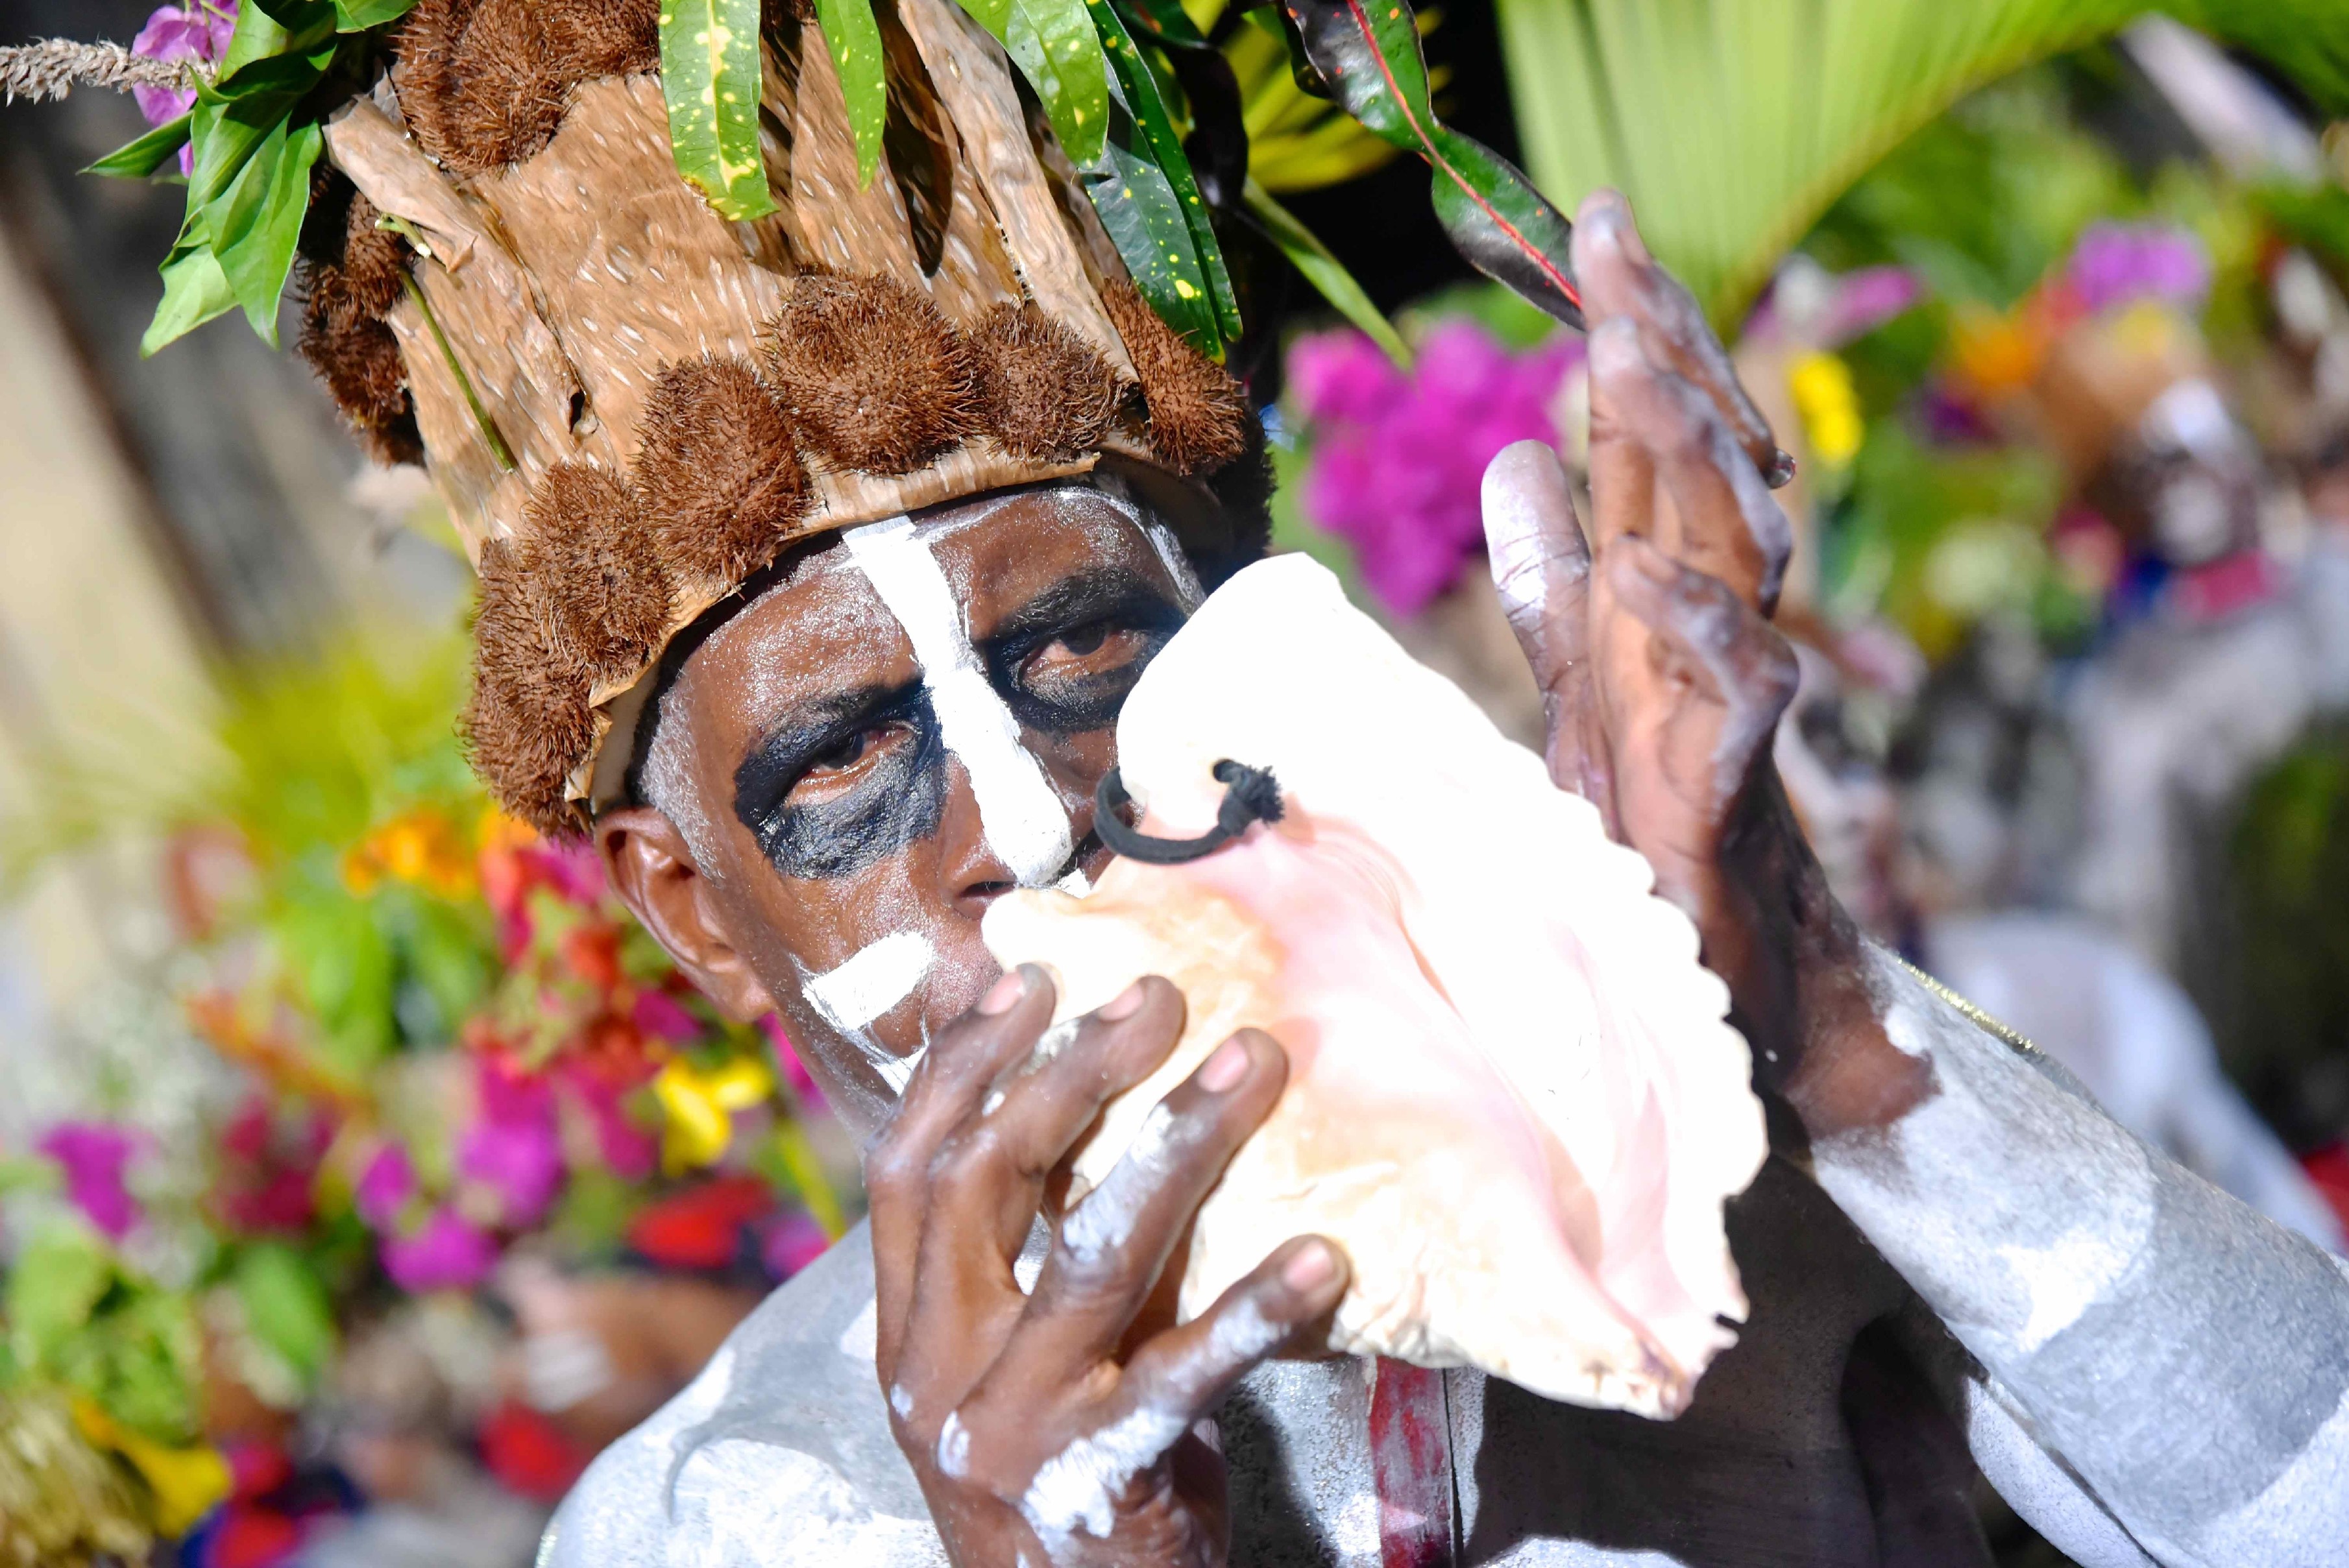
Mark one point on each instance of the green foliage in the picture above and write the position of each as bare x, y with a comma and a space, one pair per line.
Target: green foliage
1143, 187
75, 1316
711, 75
855, 39
1324, 270
1733, 124
286, 1310
138, 159
1055, 45
1370, 55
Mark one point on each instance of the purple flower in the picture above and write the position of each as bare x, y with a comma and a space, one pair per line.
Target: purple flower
1865, 300
522, 1162
1397, 462
385, 1186
2118, 262
514, 1149
93, 1154
198, 32
791, 1241
446, 1253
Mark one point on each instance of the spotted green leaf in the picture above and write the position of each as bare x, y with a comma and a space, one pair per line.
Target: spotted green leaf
855, 39
1156, 141
710, 76
1145, 219
1056, 48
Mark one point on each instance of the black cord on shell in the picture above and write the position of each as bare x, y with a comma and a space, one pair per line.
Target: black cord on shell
1251, 795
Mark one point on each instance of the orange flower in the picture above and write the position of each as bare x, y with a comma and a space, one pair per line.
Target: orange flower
423, 847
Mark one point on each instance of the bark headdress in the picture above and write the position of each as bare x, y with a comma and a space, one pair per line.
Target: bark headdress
654, 288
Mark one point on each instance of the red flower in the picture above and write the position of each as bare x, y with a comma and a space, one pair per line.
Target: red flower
528, 1454
700, 1228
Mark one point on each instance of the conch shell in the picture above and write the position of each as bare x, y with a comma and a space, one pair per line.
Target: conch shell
1513, 1097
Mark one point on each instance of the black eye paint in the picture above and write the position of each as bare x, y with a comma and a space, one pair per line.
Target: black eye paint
1081, 613
899, 801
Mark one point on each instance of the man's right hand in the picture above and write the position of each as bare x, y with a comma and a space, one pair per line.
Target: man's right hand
1041, 1428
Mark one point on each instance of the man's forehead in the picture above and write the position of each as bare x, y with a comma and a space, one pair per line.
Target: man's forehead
823, 628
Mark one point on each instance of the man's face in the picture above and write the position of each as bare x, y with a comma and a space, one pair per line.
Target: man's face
912, 723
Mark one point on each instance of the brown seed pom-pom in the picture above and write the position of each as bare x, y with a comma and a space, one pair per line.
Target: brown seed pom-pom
1198, 414
485, 83
1044, 392
528, 724
593, 559
719, 481
873, 376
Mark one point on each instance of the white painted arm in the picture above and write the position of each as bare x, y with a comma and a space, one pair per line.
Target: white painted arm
2182, 1360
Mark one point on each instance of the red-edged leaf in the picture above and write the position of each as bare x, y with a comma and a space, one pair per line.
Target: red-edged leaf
1366, 51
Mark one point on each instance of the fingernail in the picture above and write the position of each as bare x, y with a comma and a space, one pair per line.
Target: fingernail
1006, 993
1313, 1266
1225, 1068
1124, 1005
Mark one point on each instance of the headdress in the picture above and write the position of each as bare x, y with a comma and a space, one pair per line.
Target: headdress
656, 290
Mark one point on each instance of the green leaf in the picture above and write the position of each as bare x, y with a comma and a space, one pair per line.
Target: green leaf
1734, 125
995, 15
285, 1308
855, 39
1325, 272
1060, 55
195, 290
1368, 52
54, 1284
137, 160
1138, 88
1144, 220
710, 75
358, 16
255, 237
307, 23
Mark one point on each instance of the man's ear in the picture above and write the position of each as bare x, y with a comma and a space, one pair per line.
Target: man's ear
654, 871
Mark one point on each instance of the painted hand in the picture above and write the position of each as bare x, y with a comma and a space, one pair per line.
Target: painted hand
1051, 1427
1663, 677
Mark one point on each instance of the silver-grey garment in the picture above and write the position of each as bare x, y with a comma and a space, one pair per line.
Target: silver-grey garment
2148, 1371
780, 1453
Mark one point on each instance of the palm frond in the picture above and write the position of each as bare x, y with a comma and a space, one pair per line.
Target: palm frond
1733, 124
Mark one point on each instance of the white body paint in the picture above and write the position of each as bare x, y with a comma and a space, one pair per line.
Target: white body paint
1027, 825
1077, 1487
954, 1446
1106, 1217
872, 981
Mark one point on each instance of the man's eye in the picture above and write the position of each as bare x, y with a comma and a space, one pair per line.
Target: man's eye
1101, 648
832, 769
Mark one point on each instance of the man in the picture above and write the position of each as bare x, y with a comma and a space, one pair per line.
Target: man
880, 502
1953, 1249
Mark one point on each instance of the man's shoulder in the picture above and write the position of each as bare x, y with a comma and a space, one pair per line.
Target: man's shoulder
779, 1453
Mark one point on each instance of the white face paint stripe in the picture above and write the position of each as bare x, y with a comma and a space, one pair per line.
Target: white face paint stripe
1027, 825
874, 980
1171, 556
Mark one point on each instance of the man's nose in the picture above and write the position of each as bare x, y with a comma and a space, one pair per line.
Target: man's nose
974, 875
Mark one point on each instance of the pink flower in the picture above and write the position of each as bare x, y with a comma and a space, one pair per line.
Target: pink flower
791, 1241
93, 1155
787, 1058
1397, 462
445, 1254
664, 1018
628, 1150
199, 33
385, 1186
573, 871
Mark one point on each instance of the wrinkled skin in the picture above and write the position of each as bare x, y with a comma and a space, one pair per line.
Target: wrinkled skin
1663, 681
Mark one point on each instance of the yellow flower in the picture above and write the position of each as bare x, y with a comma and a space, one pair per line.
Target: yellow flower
1821, 384
186, 1483
698, 1108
